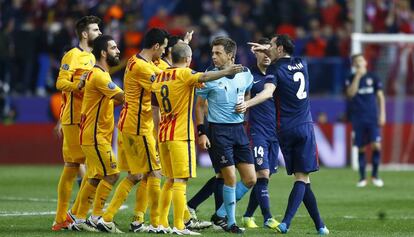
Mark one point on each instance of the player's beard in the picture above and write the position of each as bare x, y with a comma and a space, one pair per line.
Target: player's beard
90, 43
113, 60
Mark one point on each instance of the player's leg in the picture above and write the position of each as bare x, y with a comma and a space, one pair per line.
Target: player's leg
141, 202
73, 156
270, 164
183, 161
127, 161
359, 130
305, 161
165, 198
203, 194
375, 139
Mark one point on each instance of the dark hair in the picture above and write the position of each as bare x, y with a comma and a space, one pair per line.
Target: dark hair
228, 44
99, 44
286, 42
180, 51
263, 41
154, 36
83, 23
172, 40
354, 56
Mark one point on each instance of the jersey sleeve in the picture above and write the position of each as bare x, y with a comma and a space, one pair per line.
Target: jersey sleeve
190, 77
271, 75
106, 86
66, 71
147, 76
377, 83
249, 81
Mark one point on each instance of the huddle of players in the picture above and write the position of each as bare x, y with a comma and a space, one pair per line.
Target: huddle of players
160, 98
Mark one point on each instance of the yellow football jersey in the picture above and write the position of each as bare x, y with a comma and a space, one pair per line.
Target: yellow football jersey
136, 115
74, 63
97, 122
174, 89
162, 64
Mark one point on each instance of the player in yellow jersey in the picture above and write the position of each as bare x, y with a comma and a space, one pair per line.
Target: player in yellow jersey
97, 126
174, 89
74, 64
136, 127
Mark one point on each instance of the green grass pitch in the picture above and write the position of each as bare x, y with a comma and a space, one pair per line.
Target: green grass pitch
28, 200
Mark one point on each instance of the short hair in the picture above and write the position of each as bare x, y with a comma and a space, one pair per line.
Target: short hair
154, 36
172, 40
263, 41
83, 23
180, 51
354, 56
99, 44
228, 44
286, 42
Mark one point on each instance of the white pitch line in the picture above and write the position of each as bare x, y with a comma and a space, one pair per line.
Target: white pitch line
27, 213
28, 199
16, 213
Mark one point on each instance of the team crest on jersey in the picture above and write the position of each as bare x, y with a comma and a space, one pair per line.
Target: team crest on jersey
111, 85
221, 85
152, 79
369, 81
65, 66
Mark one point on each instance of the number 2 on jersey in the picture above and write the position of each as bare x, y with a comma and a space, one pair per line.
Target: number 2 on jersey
301, 94
165, 101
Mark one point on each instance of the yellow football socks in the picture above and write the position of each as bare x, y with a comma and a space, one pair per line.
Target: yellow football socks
75, 206
102, 192
64, 192
121, 193
153, 194
179, 201
164, 203
141, 201
87, 196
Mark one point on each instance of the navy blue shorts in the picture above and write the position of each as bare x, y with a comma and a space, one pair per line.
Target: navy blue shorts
299, 149
265, 152
229, 145
366, 133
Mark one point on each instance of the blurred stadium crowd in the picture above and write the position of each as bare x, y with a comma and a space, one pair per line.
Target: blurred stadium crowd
35, 33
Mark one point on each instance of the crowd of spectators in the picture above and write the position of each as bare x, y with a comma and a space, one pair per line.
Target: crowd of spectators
35, 33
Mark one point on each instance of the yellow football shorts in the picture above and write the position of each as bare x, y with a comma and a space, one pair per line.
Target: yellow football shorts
71, 149
178, 159
140, 154
101, 161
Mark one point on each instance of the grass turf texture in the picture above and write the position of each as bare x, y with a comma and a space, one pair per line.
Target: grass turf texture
347, 210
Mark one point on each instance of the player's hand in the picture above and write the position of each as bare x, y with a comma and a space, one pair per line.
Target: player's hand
82, 80
241, 107
57, 130
200, 85
203, 142
188, 37
234, 69
258, 47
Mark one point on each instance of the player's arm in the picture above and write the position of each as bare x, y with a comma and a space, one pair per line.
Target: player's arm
264, 95
352, 89
214, 75
381, 106
66, 72
119, 98
201, 107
